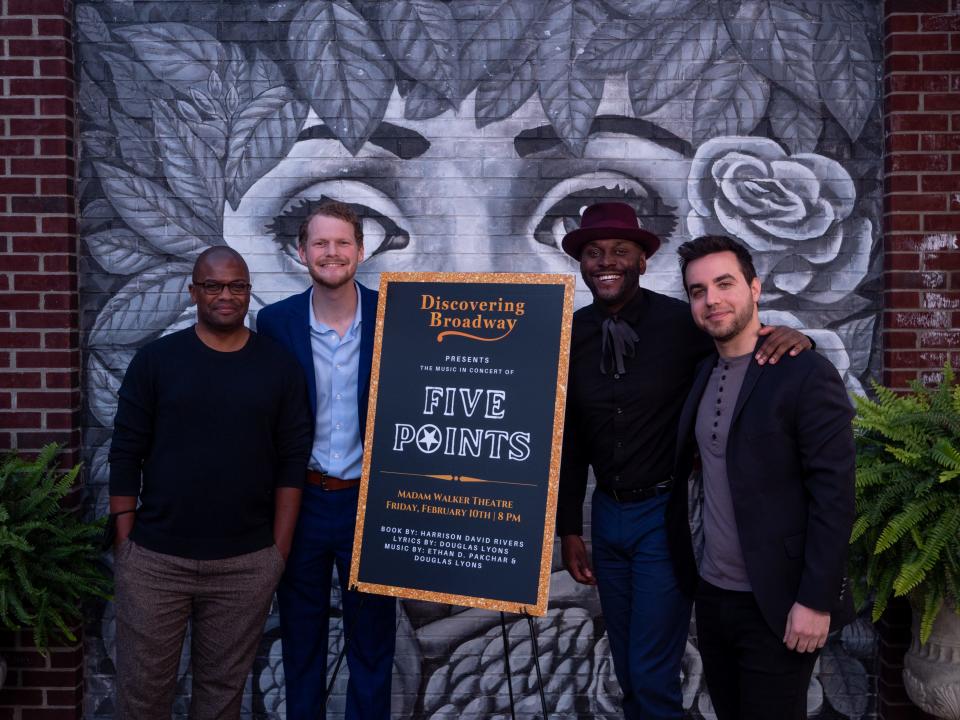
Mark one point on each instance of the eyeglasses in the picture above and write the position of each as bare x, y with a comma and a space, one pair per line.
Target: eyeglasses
237, 287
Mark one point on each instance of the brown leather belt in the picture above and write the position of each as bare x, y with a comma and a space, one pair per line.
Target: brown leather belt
328, 482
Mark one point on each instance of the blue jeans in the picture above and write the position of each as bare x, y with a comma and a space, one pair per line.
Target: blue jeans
324, 538
646, 614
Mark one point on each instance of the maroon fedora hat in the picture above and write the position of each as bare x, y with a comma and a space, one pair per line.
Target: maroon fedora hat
609, 221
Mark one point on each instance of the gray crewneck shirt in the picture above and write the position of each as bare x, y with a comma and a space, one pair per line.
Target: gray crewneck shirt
722, 563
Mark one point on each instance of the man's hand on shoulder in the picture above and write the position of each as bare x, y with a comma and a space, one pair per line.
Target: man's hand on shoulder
575, 560
780, 340
807, 628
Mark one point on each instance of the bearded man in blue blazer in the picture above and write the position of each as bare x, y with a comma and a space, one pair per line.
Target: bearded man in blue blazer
330, 328
760, 533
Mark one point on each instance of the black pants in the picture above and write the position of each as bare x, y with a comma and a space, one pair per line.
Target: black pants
750, 673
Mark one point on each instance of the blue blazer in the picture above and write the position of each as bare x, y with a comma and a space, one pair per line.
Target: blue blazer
288, 322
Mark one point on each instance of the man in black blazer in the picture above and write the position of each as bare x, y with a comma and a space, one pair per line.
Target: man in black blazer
760, 533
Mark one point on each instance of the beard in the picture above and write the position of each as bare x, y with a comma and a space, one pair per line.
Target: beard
741, 319
629, 283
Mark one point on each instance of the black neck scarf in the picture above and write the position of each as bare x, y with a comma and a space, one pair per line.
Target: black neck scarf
619, 340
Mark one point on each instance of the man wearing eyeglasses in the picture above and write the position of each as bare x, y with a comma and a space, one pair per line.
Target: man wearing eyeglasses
212, 436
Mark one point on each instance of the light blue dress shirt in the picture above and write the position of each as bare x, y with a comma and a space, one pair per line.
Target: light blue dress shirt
337, 447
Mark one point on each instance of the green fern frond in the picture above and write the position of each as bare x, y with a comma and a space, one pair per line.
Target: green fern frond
931, 606
906, 536
49, 563
944, 531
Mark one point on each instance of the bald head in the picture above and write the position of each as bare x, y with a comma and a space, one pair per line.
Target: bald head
214, 256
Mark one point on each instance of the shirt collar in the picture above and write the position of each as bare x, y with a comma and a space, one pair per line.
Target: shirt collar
319, 327
630, 312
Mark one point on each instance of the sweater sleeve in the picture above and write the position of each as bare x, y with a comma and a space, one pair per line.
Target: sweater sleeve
132, 427
294, 429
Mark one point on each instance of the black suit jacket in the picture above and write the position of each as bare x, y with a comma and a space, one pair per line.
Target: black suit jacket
790, 463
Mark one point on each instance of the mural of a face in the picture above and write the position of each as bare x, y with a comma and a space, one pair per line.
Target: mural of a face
462, 200
469, 134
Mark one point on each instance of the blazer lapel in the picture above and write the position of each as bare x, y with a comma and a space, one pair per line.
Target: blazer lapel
368, 323
754, 371
689, 413
300, 333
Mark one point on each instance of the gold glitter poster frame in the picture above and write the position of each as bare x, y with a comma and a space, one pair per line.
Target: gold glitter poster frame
568, 283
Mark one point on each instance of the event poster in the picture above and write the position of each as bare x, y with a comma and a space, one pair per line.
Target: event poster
464, 430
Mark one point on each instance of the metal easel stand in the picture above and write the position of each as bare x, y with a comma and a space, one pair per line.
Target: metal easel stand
536, 662
340, 656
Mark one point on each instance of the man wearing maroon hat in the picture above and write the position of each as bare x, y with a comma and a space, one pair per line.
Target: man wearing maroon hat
633, 353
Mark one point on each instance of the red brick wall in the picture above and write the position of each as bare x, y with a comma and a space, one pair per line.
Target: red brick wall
39, 339
922, 188
922, 222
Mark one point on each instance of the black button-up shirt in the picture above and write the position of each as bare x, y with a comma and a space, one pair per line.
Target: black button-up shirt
624, 425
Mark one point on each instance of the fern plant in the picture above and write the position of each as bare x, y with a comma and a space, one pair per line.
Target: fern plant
906, 538
49, 560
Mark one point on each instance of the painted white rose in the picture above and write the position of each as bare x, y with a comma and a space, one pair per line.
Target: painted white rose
793, 211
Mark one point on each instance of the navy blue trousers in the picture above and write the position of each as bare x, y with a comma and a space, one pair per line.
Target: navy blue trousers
324, 538
646, 614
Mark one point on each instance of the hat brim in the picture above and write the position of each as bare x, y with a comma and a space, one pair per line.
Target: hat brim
574, 240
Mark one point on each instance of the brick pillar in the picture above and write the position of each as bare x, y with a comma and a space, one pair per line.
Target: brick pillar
921, 225
39, 322
39, 336
922, 188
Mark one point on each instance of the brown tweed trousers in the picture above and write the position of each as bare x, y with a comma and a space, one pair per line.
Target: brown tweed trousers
225, 600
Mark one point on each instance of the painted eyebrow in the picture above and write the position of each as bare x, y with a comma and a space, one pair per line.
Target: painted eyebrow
545, 137
406, 144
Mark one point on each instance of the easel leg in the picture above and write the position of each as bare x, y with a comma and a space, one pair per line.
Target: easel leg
506, 663
536, 663
340, 656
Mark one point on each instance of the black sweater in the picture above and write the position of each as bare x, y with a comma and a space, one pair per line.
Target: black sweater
211, 434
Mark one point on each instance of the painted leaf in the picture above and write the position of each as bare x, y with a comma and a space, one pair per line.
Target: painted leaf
846, 72
92, 100
96, 144
136, 145
844, 681
135, 84
421, 37
91, 25
730, 100
793, 122
263, 133
161, 219
213, 132
215, 85
236, 73
102, 389
263, 75
617, 46
682, 53
778, 40
493, 39
651, 9
569, 93
500, 96
342, 68
120, 251
179, 54
205, 102
423, 103
190, 166
143, 307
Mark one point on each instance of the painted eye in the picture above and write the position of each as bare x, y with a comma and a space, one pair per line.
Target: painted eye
560, 210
